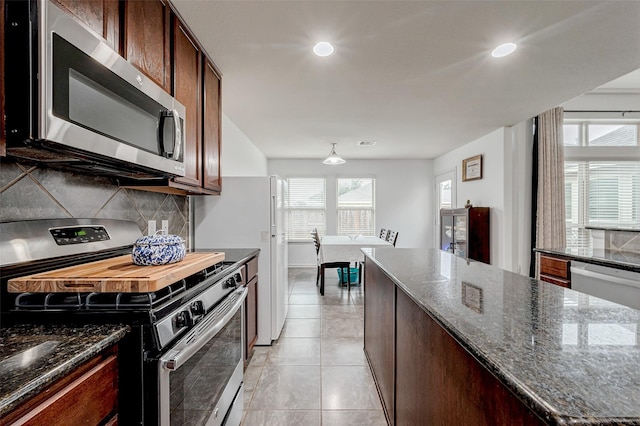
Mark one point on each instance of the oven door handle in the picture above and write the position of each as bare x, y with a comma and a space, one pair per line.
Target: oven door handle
176, 358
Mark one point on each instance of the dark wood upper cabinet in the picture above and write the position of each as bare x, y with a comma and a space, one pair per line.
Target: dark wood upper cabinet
212, 116
147, 34
186, 65
102, 16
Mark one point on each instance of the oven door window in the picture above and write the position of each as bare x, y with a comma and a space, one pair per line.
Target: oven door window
197, 386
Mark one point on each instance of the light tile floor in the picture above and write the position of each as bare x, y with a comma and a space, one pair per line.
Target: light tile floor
316, 373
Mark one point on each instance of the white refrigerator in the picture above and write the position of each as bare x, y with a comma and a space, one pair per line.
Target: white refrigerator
250, 214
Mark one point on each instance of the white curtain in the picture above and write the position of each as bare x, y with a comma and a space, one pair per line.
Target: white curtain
550, 214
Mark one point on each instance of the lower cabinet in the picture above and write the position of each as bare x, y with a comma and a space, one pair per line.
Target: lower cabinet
439, 382
423, 375
379, 333
251, 308
88, 395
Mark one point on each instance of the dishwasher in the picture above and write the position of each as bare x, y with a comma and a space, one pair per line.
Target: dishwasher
616, 285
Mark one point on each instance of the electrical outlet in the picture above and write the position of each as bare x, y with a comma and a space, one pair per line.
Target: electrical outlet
165, 227
151, 227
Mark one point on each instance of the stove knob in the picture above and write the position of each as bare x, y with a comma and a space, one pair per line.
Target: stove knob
197, 308
238, 277
230, 283
184, 319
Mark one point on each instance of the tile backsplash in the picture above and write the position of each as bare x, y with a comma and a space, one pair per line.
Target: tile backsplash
622, 241
29, 192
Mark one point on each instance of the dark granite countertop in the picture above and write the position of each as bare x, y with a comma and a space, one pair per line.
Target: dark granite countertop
627, 260
572, 358
238, 254
32, 357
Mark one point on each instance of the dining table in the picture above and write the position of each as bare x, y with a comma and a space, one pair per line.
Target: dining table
346, 248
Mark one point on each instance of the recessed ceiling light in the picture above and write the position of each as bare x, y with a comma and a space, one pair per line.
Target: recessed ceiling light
323, 48
504, 50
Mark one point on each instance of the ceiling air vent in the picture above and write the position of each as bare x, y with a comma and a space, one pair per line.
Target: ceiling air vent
366, 143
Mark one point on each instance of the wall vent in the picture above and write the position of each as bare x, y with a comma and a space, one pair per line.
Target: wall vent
366, 143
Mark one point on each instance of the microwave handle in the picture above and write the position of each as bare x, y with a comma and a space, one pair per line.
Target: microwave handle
175, 154
177, 136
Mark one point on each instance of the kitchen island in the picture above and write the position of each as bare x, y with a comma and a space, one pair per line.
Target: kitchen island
451, 341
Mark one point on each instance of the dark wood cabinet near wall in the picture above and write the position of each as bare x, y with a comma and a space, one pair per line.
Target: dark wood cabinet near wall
187, 66
194, 80
102, 16
147, 39
251, 308
466, 232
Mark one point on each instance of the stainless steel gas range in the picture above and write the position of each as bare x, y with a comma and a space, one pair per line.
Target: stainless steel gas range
182, 362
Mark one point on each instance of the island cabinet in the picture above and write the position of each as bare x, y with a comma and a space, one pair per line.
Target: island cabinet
251, 307
423, 374
379, 334
88, 396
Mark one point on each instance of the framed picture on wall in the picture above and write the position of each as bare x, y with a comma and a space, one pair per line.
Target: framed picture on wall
472, 168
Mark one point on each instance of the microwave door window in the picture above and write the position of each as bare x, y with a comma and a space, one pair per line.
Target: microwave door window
90, 95
115, 117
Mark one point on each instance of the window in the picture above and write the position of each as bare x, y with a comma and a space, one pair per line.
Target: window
306, 207
356, 206
602, 177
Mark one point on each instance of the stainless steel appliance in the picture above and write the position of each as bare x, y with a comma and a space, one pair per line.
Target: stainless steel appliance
182, 362
251, 213
72, 101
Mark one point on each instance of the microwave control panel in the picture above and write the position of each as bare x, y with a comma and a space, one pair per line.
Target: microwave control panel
79, 235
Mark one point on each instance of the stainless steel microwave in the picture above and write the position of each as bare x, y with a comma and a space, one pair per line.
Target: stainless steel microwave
71, 101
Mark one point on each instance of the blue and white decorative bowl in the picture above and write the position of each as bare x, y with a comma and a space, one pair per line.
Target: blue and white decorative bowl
158, 250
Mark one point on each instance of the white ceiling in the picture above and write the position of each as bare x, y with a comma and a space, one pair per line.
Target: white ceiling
415, 76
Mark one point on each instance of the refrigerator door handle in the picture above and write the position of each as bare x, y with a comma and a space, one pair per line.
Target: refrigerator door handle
273, 215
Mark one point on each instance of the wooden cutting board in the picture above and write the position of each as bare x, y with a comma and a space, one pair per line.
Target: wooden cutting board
115, 275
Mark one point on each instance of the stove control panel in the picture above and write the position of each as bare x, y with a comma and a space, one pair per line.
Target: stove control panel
79, 234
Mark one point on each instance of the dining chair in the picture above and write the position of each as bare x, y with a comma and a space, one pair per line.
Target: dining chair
328, 265
392, 237
384, 233
316, 243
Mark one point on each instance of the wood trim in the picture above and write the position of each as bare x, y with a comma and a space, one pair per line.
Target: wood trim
556, 281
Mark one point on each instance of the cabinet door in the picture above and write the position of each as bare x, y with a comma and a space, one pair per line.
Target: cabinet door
187, 86
211, 128
379, 333
251, 317
446, 233
146, 39
101, 16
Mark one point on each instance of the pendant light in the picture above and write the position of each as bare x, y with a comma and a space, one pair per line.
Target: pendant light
333, 158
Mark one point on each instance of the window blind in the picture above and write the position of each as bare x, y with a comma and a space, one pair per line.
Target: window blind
356, 206
306, 207
603, 187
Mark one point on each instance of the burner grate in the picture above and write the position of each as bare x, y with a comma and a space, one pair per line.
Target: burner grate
98, 301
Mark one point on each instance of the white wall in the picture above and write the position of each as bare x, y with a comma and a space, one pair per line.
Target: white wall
505, 187
240, 157
404, 197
